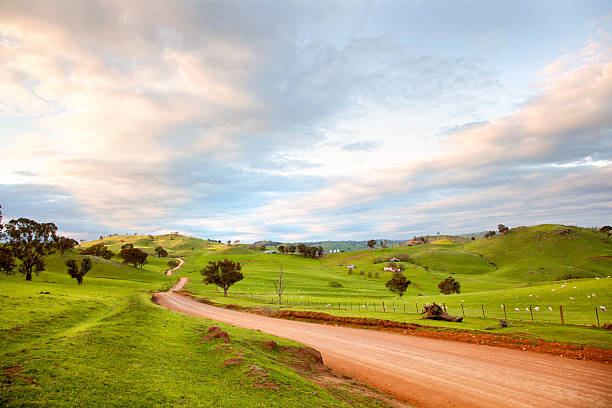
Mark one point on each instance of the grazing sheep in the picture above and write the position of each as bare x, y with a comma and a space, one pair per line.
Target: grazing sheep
597, 277
608, 276
537, 297
502, 306
592, 294
526, 309
516, 309
549, 309
603, 309
530, 295
537, 309
589, 296
571, 298
575, 287
553, 290
563, 286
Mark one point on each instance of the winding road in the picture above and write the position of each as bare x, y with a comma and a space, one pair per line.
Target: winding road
171, 271
428, 372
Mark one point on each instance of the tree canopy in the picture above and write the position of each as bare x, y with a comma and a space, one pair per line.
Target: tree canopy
78, 273
371, 243
222, 273
398, 284
449, 285
134, 256
161, 252
64, 244
100, 250
29, 241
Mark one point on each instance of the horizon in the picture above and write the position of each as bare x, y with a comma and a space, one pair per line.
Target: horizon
305, 122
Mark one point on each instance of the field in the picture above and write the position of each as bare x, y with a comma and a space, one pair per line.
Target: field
105, 344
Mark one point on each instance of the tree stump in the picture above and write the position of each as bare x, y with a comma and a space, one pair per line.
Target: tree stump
436, 312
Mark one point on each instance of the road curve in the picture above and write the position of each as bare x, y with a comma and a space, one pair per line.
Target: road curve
171, 271
429, 372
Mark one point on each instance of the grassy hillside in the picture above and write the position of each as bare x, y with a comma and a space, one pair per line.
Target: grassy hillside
547, 252
173, 243
104, 344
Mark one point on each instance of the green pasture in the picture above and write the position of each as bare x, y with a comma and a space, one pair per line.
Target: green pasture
105, 344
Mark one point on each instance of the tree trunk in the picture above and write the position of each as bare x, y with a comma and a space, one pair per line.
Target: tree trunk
29, 275
79, 280
225, 291
436, 312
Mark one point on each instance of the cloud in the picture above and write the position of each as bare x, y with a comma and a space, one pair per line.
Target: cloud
366, 145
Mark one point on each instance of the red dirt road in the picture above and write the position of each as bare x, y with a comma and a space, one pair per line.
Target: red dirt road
428, 372
179, 266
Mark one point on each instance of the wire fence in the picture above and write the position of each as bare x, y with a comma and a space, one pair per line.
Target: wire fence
563, 314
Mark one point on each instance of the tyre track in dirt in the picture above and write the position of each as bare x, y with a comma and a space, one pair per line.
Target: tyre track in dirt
429, 372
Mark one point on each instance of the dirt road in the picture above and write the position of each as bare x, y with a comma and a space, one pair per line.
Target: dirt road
428, 372
171, 271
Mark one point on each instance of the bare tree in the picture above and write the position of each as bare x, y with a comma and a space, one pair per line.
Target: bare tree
383, 243
279, 286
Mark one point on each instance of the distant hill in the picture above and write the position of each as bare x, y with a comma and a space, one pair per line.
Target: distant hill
545, 252
170, 242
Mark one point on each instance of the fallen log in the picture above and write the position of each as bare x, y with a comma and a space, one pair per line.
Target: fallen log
436, 312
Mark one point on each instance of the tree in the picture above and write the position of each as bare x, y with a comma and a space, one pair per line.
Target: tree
449, 285
606, 228
29, 242
134, 256
7, 260
65, 243
502, 229
75, 272
279, 286
489, 234
100, 250
229, 242
398, 284
236, 241
161, 252
291, 249
222, 273
383, 243
173, 263
372, 243
301, 248
282, 249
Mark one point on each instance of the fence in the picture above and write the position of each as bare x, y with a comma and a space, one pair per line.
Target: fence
563, 314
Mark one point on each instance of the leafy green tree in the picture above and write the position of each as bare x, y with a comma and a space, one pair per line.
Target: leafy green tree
78, 273
489, 234
606, 228
100, 250
134, 256
383, 243
291, 249
65, 244
449, 285
29, 242
173, 263
398, 284
502, 229
222, 273
282, 249
372, 243
7, 260
161, 252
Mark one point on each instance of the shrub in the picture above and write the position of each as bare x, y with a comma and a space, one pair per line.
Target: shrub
335, 284
449, 285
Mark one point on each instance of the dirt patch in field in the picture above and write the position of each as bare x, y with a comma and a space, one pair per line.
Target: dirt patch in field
511, 341
599, 258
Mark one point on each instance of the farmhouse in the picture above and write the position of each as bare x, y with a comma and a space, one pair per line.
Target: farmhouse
270, 251
394, 260
351, 266
391, 269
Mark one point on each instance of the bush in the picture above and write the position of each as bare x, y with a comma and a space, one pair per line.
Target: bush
335, 284
449, 285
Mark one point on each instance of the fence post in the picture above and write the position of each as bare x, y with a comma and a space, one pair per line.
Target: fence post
417, 306
404, 307
338, 305
505, 315
483, 313
383, 306
561, 311
462, 310
374, 306
531, 311
597, 314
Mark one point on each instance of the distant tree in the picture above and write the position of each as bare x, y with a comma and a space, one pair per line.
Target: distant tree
151, 238
161, 252
236, 242
282, 249
426, 267
7, 260
449, 285
371, 243
134, 256
173, 263
263, 247
320, 251
101, 237
29, 242
76, 272
489, 234
222, 273
229, 242
291, 249
607, 229
301, 248
502, 229
64, 244
473, 239
383, 243
398, 284
100, 250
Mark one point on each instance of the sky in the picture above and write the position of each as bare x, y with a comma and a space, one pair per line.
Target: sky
305, 120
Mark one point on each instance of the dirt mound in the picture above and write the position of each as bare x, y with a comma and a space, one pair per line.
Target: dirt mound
215, 331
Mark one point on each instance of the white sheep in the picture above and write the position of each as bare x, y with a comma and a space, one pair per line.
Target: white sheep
537, 309
597, 277
526, 309
592, 294
563, 286
603, 308
549, 309
553, 290
516, 309
571, 298
575, 287
502, 306
589, 296
530, 295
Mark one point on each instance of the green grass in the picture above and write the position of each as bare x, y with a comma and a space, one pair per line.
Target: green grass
104, 344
